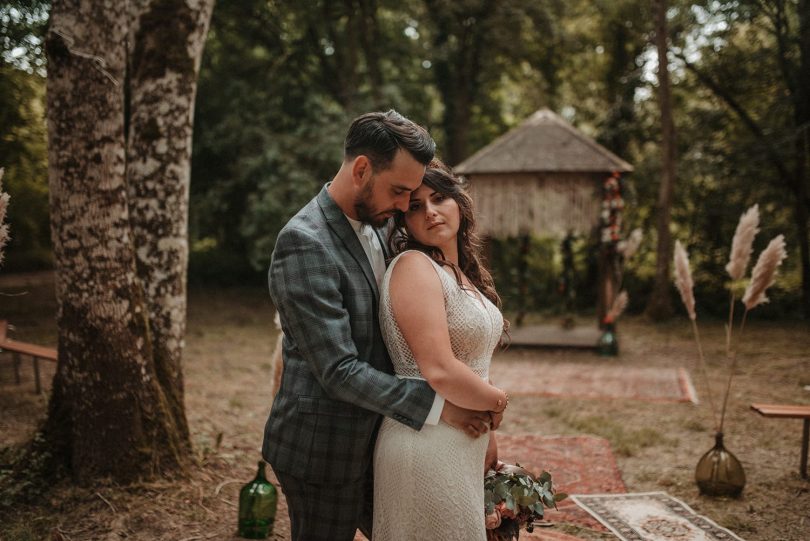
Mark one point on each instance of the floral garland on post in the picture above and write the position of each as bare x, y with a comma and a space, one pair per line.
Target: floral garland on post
617, 251
612, 207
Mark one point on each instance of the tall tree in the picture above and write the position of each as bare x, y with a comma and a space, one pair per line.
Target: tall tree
659, 304
121, 88
474, 44
625, 30
773, 38
801, 103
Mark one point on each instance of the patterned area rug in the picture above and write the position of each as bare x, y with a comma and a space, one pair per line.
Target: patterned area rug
578, 465
540, 534
528, 377
652, 516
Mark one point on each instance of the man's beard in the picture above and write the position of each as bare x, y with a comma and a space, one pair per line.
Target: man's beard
363, 206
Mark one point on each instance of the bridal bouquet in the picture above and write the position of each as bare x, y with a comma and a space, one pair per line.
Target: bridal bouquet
513, 498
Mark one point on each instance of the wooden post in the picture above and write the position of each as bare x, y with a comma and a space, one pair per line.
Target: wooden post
36, 374
805, 438
16, 359
603, 290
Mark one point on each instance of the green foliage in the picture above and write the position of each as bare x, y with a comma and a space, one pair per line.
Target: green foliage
280, 81
24, 473
23, 136
22, 27
543, 271
23, 155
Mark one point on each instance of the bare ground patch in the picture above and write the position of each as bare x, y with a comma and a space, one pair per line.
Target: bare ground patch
228, 395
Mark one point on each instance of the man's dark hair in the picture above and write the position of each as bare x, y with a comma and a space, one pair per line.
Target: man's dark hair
379, 135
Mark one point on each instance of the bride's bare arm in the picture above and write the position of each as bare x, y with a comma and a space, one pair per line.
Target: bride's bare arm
418, 306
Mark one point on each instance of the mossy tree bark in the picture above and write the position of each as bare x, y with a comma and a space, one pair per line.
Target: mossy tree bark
121, 86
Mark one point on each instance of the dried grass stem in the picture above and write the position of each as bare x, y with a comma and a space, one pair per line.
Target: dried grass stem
731, 371
704, 373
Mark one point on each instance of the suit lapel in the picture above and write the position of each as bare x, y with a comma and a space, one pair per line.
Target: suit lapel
340, 225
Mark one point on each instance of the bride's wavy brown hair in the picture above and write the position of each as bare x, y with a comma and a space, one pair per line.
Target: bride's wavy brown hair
440, 178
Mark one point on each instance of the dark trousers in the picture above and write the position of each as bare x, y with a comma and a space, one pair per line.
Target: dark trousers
328, 512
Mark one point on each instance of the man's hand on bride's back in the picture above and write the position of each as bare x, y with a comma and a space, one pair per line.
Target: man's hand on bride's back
473, 423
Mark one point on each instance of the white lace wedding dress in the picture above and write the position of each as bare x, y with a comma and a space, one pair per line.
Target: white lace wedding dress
429, 484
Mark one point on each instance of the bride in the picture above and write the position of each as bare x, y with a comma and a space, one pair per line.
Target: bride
440, 321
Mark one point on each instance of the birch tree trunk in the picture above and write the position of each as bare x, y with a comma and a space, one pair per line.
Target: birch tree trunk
168, 38
118, 220
659, 305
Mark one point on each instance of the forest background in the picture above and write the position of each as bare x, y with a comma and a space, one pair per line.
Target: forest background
281, 80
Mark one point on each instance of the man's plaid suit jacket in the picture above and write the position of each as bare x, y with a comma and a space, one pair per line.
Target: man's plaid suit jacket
338, 379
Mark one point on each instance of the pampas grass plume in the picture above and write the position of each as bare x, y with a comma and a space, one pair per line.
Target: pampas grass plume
4, 197
633, 242
764, 273
683, 279
741, 245
619, 305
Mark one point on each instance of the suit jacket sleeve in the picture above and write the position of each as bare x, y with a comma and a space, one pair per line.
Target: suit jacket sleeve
305, 283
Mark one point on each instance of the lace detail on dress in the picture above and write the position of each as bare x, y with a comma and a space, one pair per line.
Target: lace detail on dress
429, 484
475, 325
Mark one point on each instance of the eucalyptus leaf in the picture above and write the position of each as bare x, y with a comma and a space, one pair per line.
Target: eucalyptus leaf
509, 501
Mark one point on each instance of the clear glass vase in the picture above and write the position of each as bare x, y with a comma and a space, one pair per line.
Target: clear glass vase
718, 472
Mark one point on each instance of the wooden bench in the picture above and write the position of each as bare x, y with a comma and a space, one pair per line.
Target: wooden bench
18, 349
785, 411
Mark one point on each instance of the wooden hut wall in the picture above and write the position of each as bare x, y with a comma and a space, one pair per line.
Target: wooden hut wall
509, 205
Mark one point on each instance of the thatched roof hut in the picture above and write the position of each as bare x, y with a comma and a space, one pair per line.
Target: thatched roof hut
542, 177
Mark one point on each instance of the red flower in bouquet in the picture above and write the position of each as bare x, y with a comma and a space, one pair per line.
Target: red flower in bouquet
505, 511
493, 520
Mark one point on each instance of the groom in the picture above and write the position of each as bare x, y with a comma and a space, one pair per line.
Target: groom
338, 380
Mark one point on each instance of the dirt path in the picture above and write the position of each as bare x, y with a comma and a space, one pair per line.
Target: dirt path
228, 394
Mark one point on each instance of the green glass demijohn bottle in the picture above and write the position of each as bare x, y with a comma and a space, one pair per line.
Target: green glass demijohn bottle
608, 345
257, 507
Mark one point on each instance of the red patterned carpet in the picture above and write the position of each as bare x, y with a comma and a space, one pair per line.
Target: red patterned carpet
578, 465
530, 377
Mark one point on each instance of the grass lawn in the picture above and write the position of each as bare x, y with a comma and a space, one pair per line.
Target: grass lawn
228, 394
